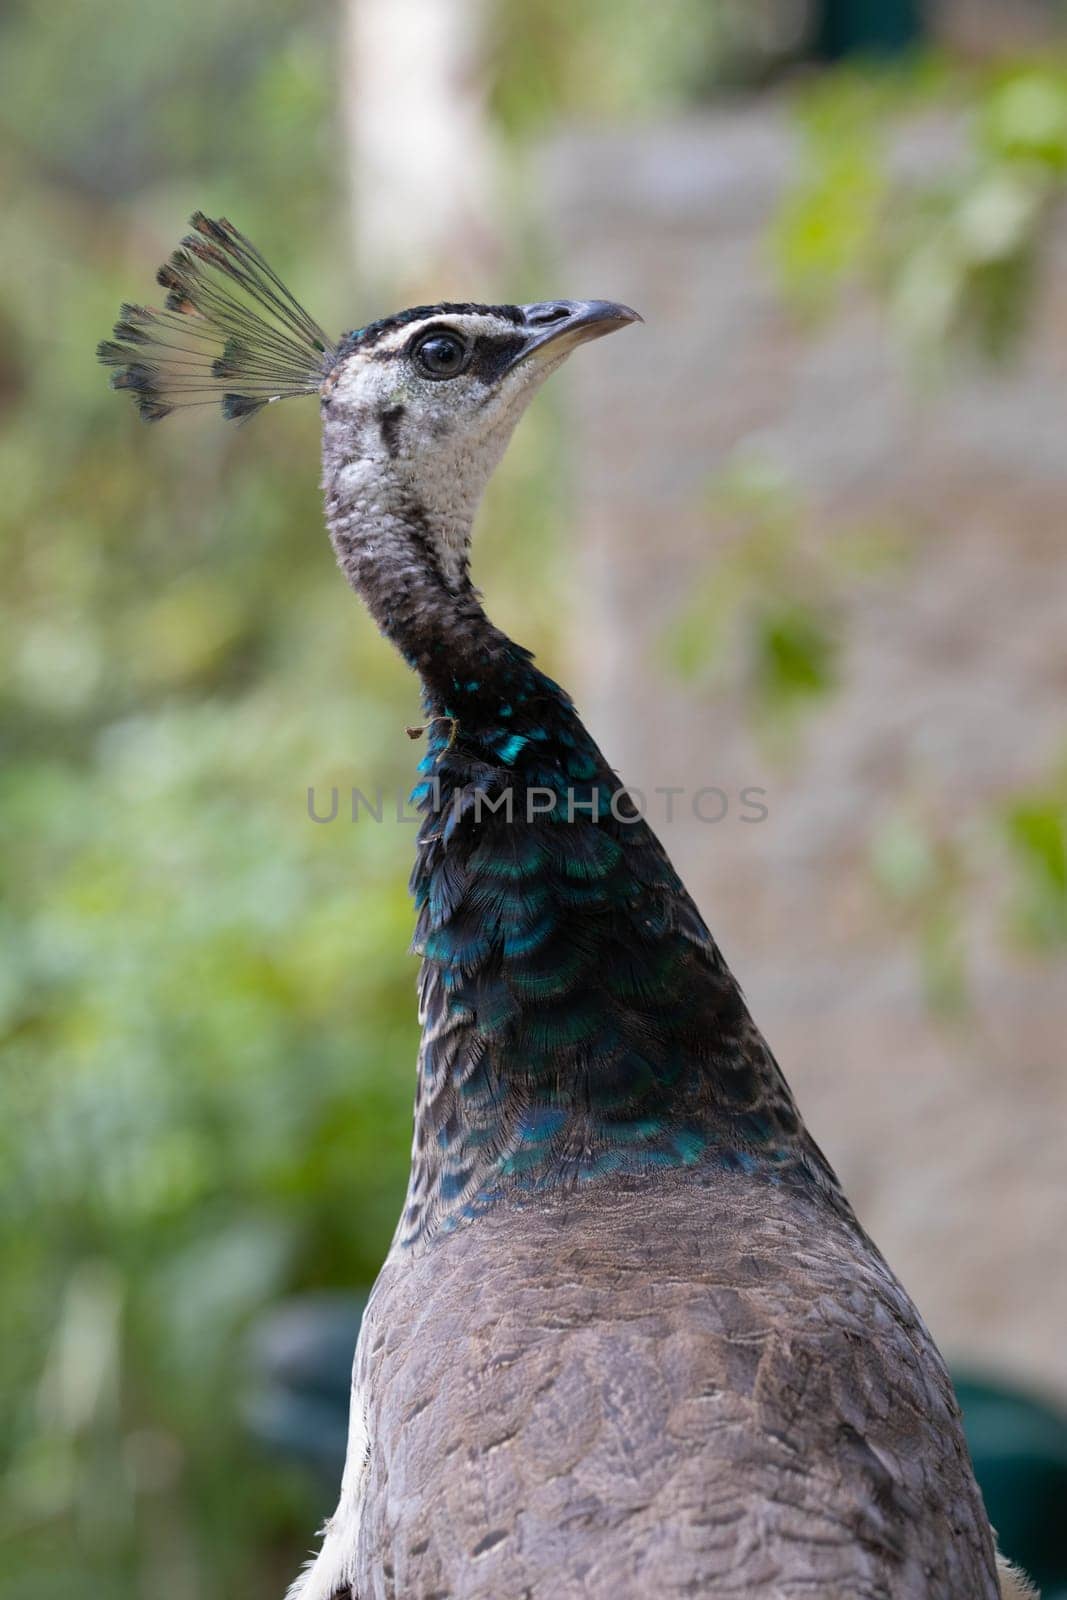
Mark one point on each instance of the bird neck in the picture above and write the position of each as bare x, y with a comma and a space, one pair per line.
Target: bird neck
408, 563
579, 1023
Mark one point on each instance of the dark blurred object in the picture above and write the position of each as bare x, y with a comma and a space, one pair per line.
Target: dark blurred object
867, 28
1019, 1447
300, 1358
990, 28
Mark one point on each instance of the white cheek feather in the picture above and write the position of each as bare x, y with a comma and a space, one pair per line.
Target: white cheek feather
357, 476
331, 1575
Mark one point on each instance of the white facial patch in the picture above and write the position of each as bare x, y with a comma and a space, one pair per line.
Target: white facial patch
401, 444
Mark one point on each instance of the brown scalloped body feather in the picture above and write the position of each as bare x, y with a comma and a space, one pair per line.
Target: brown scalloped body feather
689, 1387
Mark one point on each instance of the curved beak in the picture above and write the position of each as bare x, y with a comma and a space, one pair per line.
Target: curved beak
554, 327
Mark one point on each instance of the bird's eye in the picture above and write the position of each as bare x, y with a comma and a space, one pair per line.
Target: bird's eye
442, 355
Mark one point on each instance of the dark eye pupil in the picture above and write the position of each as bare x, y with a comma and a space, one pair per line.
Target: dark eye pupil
441, 355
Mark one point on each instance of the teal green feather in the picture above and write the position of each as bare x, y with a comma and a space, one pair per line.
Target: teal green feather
580, 1023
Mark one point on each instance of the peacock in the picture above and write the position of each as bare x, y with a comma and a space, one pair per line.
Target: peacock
630, 1338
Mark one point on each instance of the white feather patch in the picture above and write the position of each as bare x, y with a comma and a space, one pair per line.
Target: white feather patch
331, 1575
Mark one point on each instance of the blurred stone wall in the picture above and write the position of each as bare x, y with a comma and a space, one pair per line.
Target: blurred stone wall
992, 27
949, 1136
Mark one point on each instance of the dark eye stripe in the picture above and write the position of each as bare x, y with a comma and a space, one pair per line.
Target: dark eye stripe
493, 352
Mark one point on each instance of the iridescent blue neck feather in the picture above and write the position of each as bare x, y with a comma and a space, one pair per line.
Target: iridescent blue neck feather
579, 1022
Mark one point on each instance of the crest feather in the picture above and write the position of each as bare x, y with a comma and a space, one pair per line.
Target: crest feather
230, 332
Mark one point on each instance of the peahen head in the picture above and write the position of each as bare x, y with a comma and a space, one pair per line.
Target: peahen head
419, 407
416, 408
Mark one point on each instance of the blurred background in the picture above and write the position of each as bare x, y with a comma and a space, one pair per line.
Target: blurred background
804, 532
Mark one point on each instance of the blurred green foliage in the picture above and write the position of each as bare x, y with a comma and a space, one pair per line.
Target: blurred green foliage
1008, 858
1034, 829
766, 620
601, 60
955, 254
765, 625
925, 878
954, 251
206, 1070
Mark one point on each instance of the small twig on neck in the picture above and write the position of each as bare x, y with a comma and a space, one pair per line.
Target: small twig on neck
417, 733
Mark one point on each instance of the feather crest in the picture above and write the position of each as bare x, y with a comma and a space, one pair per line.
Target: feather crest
229, 332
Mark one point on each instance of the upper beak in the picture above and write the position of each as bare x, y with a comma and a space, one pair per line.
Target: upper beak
556, 326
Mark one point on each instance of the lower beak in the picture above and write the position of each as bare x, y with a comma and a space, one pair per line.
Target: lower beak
555, 327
